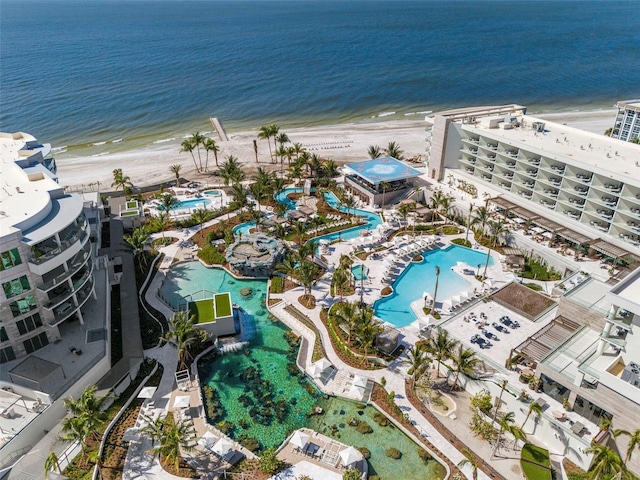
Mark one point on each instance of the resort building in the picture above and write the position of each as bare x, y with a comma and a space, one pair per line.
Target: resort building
47, 267
381, 181
627, 124
585, 183
214, 314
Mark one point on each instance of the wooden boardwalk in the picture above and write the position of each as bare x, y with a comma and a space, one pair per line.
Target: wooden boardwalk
215, 123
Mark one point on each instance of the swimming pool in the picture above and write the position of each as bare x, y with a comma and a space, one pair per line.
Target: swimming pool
420, 277
243, 228
359, 273
191, 203
373, 220
212, 193
282, 197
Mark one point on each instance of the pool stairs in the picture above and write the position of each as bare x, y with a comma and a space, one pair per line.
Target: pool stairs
232, 347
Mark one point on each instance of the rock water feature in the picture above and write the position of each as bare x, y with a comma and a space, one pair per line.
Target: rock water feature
257, 395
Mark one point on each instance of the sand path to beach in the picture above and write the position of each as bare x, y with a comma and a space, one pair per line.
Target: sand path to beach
341, 143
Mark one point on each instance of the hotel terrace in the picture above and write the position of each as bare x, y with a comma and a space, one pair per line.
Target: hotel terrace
581, 181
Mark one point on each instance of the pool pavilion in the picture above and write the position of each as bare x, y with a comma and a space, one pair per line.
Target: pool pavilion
380, 180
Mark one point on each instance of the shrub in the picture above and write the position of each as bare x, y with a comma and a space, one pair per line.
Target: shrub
461, 241
386, 291
211, 255
534, 286
269, 463
364, 427
380, 419
365, 452
277, 284
424, 455
393, 453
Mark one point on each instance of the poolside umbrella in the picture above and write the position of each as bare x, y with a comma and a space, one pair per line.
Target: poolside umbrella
357, 391
359, 381
488, 283
182, 401
425, 321
349, 456
447, 305
464, 296
222, 447
455, 300
207, 439
299, 439
147, 392
318, 368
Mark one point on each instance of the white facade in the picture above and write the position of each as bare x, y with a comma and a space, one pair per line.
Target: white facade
627, 124
46, 253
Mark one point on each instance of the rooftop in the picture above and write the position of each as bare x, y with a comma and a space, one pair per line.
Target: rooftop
604, 155
386, 169
630, 105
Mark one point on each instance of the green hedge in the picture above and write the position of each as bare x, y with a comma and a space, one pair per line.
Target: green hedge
211, 255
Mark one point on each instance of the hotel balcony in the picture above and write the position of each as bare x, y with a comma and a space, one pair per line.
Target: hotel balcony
532, 172
492, 146
577, 202
572, 214
64, 291
511, 164
548, 204
558, 168
534, 161
606, 214
584, 177
51, 248
555, 181
609, 201
73, 266
551, 193
581, 191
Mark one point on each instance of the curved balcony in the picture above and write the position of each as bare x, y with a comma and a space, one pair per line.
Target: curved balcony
74, 265
42, 254
68, 308
77, 284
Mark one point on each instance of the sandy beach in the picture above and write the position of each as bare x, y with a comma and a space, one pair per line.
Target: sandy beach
341, 143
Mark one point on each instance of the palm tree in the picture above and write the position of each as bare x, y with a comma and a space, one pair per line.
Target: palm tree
229, 168
506, 421
606, 463
441, 347
307, 273
258, 190
184, 334
298, 148
464, 361
435, 290
287, 266
417, 359
74, 429
188, 146
331, 168
634, 441
51, 463
175, 169
121, 181
497, 229
265, 134
281, 138
299, 231
349, 202
255, 149
393, 150
197, 139
162, 221
374, 151
170, 438
210, 145
341, 278
281, 152
167, 202
240, 194
86, 414
137, 241
95, 458
482, 217
503, 386
384, 186
469, 459
366, 329
346, 312
536, 409
200, 215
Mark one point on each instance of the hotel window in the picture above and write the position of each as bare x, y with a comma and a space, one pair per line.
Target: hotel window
3, 335
29, 324
16, 287
36, 342
9, 259
6, 354
23, 305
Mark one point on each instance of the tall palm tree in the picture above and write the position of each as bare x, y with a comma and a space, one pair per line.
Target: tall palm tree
169, 438
121, 181
87, 412
184, 334
497, 229
366, 329
464, 361
417, 360
315, 164
307, 273
175, 169
95, 458
287, 266
435, 289
441, 347
505, 422
137, 240
384, 186
482, 217
298, 148
255, 149
74, 429
265, 134
299, 231
281, 152
634, 441
346, 312
349, 203
229, 169
258, 190
210, 145
188, 146
200, 215
240, 194
374, 151
606, 463
340, 280
162, 221
503, 386
536, 409
197, 140
393, 150
51, 464
330, 168
167, 202
469, 459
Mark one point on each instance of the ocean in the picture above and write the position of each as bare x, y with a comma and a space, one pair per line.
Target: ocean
133, 73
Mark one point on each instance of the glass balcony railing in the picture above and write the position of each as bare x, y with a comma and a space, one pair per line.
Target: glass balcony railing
77, 283
76, 263
41, 255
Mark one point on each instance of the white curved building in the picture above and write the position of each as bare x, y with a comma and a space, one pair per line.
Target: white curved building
46, 267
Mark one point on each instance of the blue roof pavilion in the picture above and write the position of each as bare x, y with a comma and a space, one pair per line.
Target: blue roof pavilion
366, 178
386, 169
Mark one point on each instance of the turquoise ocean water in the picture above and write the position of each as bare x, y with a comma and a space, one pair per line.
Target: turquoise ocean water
133, 73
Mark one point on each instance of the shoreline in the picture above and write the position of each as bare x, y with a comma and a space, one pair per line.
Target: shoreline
341, 142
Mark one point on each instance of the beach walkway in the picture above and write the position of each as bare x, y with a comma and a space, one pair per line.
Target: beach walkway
218, 128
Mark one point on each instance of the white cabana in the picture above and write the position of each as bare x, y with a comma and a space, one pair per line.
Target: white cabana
222, 447
299, 439
425, 321
447, 305
318, 368
426, 296
350, 455
464, 296
147, 392
207, 440
455, 300
182, 401
357, 392
487, 283
359, 381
